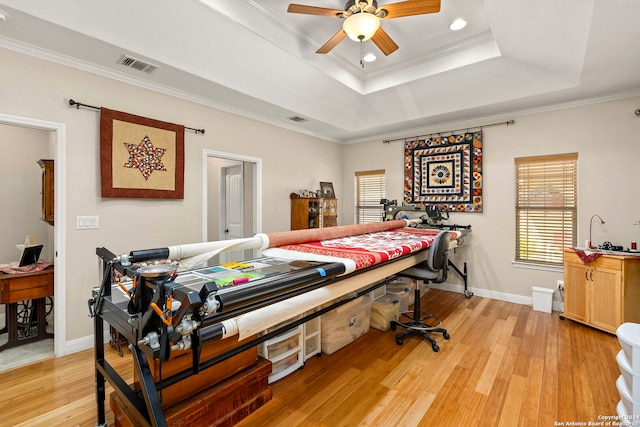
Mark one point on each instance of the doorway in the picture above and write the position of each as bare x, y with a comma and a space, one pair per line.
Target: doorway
232, 200
57, 136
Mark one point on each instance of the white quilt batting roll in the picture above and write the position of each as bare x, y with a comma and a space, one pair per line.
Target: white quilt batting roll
197, 253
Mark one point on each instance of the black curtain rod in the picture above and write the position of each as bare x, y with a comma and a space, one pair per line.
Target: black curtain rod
449, 132
80, 104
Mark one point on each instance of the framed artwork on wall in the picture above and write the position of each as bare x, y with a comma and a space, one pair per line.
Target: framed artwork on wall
326, 190
140, 157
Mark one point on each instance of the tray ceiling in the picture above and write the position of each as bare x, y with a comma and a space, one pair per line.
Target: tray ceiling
253, 58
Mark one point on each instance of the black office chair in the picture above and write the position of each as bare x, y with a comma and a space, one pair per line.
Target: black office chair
433, 270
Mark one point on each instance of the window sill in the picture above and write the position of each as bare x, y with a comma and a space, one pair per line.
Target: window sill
544, 267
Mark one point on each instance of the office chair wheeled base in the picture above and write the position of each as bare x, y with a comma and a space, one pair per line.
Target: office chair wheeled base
419, 327
433, 270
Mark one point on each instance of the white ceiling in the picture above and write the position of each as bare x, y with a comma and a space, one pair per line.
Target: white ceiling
253, 58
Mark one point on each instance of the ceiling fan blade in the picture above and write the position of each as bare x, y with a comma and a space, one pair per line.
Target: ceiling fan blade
333, 41
313, 10
384, 42
410, 8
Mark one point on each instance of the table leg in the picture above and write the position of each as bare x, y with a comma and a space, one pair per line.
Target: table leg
12, 326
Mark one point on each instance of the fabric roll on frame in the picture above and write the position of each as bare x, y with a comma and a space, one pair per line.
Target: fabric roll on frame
318, 234
197, 253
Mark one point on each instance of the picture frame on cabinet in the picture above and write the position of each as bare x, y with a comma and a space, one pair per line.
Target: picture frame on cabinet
326, 190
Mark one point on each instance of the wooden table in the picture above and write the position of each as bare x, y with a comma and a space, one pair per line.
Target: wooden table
15, 288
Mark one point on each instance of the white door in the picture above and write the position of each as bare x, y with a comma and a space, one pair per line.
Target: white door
232, 207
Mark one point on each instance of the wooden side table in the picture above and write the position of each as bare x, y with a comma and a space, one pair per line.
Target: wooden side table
15, 288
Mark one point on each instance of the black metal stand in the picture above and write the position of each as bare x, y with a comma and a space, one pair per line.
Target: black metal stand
464, 275
145, 404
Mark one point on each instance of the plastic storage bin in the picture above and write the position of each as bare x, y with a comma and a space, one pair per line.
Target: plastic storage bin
631, 378
542, 299
403, 285
345, 324
285, 353
312, 338
621, 410
383, 311
377, 293
632, 407
402, 295
629, 338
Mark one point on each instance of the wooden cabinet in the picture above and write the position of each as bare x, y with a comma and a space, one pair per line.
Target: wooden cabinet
604, 293
47, 190
313, 213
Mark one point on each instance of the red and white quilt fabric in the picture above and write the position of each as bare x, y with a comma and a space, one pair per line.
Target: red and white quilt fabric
371, 248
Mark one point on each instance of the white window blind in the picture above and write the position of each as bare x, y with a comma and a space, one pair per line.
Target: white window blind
369, 189
546, 207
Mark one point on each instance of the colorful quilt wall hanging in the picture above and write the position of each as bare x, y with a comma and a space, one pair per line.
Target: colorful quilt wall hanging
445, 171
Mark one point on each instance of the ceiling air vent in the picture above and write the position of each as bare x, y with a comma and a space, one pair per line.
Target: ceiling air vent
297, 119
137, 64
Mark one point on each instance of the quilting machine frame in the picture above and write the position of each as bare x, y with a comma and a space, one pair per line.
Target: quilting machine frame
393, 211
149, 326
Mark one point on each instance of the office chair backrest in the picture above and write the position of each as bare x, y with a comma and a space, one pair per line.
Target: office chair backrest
438, 252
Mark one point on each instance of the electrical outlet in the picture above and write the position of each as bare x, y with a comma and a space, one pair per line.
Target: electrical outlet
561, 285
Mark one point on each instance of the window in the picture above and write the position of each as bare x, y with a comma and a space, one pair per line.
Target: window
546, 207
369, 189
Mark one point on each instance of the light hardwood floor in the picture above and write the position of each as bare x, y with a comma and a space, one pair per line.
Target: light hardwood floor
505, 365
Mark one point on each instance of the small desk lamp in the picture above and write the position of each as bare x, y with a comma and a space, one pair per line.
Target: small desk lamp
590, 224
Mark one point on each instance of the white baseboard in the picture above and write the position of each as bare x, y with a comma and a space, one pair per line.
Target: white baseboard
84, 343
500, 296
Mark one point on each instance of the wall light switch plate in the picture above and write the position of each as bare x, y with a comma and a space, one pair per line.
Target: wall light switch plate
87, 222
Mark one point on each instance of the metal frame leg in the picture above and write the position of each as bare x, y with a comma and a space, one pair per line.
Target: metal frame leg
464, 275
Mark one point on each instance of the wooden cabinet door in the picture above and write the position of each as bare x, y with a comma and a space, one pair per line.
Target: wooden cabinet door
575, 292
47, 190
605, 305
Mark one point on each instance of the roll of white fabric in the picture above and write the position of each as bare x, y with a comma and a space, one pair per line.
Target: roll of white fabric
194, 254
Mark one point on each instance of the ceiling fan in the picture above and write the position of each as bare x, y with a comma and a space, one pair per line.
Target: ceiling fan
362, 20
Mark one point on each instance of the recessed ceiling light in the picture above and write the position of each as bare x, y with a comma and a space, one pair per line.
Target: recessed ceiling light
369, 57
458, 24
3, 16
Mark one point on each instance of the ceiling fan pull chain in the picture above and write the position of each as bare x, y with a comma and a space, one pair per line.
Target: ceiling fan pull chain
361, 54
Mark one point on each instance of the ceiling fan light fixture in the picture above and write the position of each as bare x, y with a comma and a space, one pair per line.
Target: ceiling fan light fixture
361, 27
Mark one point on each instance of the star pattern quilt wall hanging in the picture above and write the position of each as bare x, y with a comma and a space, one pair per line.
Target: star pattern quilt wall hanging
445, 171
145, 157
140, 157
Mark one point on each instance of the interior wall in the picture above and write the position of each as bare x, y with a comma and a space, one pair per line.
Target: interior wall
35, 88
21, 190
605, 135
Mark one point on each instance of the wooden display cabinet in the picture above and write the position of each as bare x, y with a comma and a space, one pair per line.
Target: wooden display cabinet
604, 293
313, 213
47, 190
